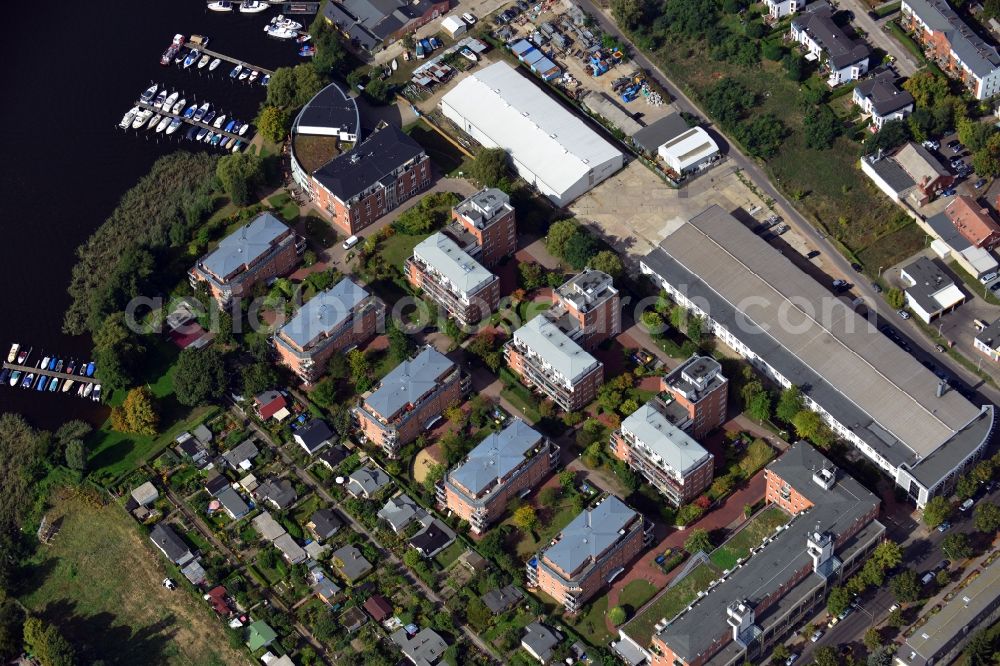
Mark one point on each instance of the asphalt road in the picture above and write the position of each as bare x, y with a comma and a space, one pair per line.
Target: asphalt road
922, 551
906, 65
840, 264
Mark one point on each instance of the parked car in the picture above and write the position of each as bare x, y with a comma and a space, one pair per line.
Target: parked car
903, 313
927, 578
944, 527
857, 267
791, 659
813, 254
950, 192
967, 504
931, 145
979, 183
939, 348
877, 287
816, 635
469, 18
838, 283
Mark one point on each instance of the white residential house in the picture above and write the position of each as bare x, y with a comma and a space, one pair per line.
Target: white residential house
843, 58
930, 293
779, 8
881, 99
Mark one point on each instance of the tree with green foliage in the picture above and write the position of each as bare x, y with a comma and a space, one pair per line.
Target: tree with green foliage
559, 236
881, 656
490, 168
728, 100
795, 66
762, 135
887, 554
905, 586
790, 403
629, 14
980, 649
292, 87
117, 352
986, 161
936, 511
361, 370
400, 345
240, 175
986, 517
893, 134
580, 248
873, 639
809, 425
526, 518
76, 455
966, 487
379, 91
895, 298
137, 414
756, 401
531, 275
826, 656
11, 625
199, 376
273, 123
609, 262
258, 377
331, 56
957, 546
617, 615
698, 541
44, 642
821, 127
838, 600
973, 134
773, 51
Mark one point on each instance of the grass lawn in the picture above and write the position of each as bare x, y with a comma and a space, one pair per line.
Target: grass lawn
522, 398
831, 191
398, 248
450, 554
449, 159
195, 538
760, 526
287, 208
636, 593
591, 624
304, 511
672, 602
272, 576
125, 619
551, 520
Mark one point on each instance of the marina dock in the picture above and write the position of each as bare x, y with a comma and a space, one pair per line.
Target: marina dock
197, 123
300, 8
226, 58
27, 369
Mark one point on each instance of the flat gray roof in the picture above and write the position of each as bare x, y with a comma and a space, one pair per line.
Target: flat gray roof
244, 246
588, 535
882, 394
324, 312
670, 445
835, 511
981, 57
409, 381
656, 134
460, 271
555, 348
496, 457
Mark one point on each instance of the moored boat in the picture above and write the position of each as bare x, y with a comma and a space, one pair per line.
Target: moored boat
68, 385
218, 121
172, 50
279, 32
149, 92
141, 118
179, 58
87, 390
54, 384
244, 74
162, 125
267, 79
129, 117
12, 354
201, 111
283, 22
4, 376
14, 376
70, 367
237, 145
217, 138
215, 63
175, 123
59, 366
28, 380
191, 132
160, 99
220, 6
23, 355
189, 112
79, 391
468, 54
53, 362
307, 51
97, 393
243, 129
43, 381
178, 107
253, 6
202, 131
44, 365
191, 58
208, 116
90, 369
209, 137
153, 121
394, 65
229, 126
236, 71
253, 75
170, 101
204, 61
303, 38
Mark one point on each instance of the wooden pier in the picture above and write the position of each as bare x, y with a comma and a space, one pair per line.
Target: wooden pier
300, 8
27, 369
191, 121
225, 58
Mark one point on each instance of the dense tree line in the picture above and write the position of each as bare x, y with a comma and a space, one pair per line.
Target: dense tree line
118, 261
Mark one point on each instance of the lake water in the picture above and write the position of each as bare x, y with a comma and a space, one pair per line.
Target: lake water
72, 69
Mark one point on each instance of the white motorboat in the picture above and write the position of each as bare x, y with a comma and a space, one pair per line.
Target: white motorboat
174, 124
244, 74
237, 146
191, 58
170, 101
201, 134
267, 79
215, 63
141, 118
253, 6
395, 65
178, 107
279, 32
253, 75
147, 95
158, 102
243, 129
204, 61
124, 124
209, 136
162, 125
282, 22
153, 121
221, 6
218, 121
236, 71
202, 110
12, 356
468, 54
88, 390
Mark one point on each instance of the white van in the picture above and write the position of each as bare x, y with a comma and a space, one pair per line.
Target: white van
351, 242
988, 277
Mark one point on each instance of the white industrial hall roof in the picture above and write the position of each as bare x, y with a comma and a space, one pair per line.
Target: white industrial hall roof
688, 148
558, 148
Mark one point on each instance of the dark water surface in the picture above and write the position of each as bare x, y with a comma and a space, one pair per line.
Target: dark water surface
71, 71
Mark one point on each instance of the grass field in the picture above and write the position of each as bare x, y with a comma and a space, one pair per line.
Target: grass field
591, 624
287, 208
399, 247
760, 526
450, 554
79, 581
636, 593
672, 602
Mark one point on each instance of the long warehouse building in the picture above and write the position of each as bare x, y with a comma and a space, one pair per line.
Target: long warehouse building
869, 391
551, 148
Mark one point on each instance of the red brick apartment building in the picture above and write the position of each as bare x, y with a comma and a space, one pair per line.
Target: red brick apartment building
262, 249
669, 459
545, 358
587, 308
974, 222
409, 400
489, 219
698, 395
505, 465
785, 581
375, 177
453, 279
332, 322
594, 547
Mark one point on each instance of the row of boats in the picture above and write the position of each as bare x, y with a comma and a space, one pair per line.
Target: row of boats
195, 58
283, 28
44, 382
172, 114
245, 7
